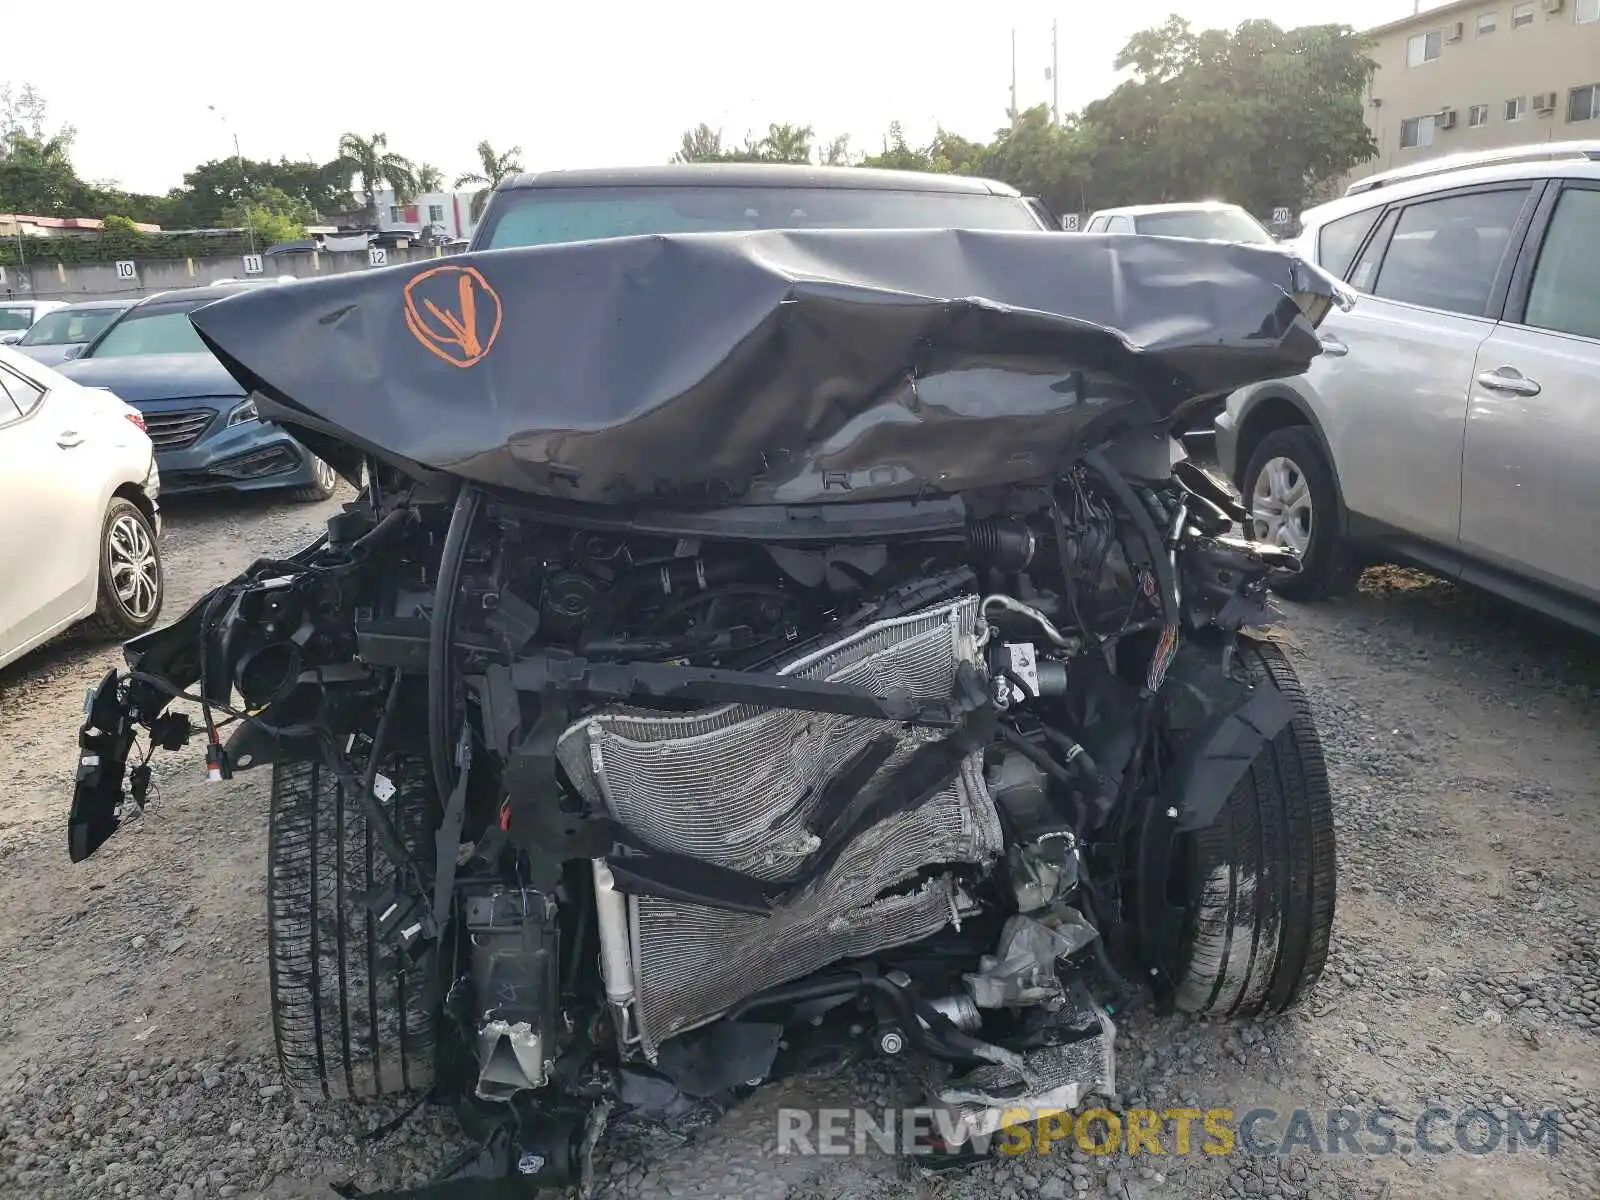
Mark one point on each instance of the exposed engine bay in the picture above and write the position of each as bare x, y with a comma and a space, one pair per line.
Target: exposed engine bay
655, 806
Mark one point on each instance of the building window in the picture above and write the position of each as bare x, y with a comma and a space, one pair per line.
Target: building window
1486, 23
1477, 115
1587, 11
1516, 108
1424, 47
1521, 14
1583, 103
435, 214
1416, 131
396, 213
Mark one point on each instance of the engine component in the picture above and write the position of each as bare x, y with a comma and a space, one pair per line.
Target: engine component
959, 1009
1076, 1061
569, 598
616, 961
516, 978
1004, 543
265, 674
1021, 675
1023, 968
742, 788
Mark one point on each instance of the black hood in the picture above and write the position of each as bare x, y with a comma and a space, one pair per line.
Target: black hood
771, 367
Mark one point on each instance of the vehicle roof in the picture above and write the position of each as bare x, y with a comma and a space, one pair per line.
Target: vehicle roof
18, 302
772, 175
1577, 150
1422, 185
1139, 210
91, 304
203, 293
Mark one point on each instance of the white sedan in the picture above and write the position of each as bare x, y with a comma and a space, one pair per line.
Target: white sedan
79, 524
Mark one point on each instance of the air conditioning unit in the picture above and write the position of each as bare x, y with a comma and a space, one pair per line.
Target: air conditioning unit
1553, 6
1454, 32
1544, 102
1446, 119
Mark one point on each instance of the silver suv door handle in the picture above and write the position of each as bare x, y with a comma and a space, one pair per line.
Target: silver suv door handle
1333, 347
1508, 379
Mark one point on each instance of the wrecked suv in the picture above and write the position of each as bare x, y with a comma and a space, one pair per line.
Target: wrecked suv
749, 647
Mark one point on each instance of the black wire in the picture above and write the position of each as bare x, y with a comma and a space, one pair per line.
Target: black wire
441, 638
176, 693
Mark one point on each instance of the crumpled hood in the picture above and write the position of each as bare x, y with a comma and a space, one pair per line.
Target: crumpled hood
142, 377
769, 367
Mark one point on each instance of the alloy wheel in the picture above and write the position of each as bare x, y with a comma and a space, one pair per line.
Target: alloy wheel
135, 573
327, 479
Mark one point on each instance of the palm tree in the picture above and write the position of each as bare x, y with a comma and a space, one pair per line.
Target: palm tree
375, 166
429, 179
701, 144
492, 168
788, 143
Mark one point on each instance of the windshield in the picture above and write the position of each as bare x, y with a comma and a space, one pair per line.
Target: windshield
537, 218
67, 327
13, 319
1208, 224
166, 331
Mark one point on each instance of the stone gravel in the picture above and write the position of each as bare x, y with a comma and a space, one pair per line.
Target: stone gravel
135, 1050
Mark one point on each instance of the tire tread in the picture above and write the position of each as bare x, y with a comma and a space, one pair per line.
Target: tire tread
1263, 875
325, 961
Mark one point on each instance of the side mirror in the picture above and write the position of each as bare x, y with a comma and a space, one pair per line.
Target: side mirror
12, 338
74, 350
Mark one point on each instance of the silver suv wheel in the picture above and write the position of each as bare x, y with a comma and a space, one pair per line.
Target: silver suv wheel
1280, 505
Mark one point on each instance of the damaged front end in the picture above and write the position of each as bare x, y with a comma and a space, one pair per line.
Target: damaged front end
908, 734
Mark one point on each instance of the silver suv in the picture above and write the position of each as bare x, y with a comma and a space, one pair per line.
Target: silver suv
1453, 420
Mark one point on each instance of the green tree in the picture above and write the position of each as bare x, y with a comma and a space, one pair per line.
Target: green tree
782, 143
271, 213
36, 176
701, 144
1260, 115
897, 155
120, 224
23, 110
429, 179
1041, 158
375, 166
786, 144
492, 168
212, 187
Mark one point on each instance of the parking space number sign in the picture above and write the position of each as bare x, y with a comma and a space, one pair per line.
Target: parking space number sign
377, 256
1069, 223
252, 264
126, 270
1280, 216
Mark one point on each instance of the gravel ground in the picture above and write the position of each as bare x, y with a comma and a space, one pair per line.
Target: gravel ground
136, 1055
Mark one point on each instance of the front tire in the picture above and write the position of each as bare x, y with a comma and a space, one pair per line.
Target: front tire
349, 1020
1259, 882
324, 482
132, 580
1294, 503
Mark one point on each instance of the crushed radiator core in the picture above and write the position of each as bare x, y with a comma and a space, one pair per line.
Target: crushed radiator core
735, 786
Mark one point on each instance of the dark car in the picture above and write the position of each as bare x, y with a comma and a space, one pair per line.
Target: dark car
63, 332
536, 209
206, 432
754, 652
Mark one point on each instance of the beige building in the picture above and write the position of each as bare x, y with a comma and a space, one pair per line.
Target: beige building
1483, 74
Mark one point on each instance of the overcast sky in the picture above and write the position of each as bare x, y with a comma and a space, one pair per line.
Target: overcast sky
584, 84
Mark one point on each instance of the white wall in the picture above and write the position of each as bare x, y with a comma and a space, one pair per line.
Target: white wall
456, 206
